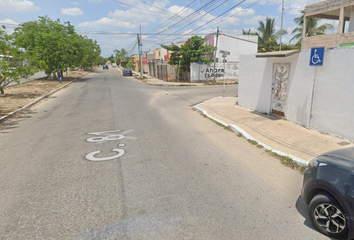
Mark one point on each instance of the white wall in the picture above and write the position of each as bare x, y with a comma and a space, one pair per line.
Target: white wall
333, 108
236, 46
255, 83
332, 101
201, 72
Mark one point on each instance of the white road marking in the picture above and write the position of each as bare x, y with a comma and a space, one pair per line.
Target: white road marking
91, 156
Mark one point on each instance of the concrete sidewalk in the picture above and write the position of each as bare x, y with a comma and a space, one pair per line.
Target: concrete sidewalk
276, 134
273, 133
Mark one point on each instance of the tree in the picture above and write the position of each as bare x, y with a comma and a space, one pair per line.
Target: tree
88, 52
193, 51
311, 28
249, 32
120, 55
130, 64
12, 61
267, 36
53, 46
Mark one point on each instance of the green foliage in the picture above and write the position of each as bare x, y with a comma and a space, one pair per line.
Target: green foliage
267, 36
193, 51
312, 28
12, 61
249, 32
120, 55
53, 46
289, 47
130, 64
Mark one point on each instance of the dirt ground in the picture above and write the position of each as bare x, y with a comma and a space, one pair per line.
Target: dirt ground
20, 95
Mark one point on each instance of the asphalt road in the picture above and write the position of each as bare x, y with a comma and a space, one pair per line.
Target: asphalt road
109, 157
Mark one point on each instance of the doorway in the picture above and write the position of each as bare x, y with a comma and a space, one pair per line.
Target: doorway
280, 78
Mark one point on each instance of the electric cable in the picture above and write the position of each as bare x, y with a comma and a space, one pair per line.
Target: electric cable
172, 16
216, 17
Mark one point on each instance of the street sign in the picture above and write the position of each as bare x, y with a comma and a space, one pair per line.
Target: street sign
200, 62
224, 52
316, 57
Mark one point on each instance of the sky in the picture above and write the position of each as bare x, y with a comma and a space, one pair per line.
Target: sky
116, 23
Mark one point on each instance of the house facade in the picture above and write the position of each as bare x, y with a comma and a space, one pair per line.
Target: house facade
287, 83
342, 13
235, 44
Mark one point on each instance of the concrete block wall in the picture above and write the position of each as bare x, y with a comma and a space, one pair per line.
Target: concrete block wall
319, 97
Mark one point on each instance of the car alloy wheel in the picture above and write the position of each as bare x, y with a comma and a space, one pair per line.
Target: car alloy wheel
328, 217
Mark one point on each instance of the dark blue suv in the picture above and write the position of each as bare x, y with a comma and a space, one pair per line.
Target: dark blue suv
127, 71
328, 189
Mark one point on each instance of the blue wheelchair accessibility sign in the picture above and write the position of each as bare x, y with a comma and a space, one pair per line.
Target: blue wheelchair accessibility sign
316, 58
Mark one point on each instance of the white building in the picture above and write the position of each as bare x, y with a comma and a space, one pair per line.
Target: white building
235, 44
312, 87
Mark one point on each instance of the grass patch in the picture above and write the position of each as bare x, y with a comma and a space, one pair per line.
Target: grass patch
253, 142
217, 123
287, 161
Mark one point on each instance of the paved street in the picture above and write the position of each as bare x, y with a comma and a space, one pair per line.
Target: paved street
109, 157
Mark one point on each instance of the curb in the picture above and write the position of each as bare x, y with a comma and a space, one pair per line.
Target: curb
2, 119
236, 129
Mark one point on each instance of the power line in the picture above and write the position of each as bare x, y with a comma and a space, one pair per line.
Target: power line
238, 12
226, 35
157, 7
200, 17
128, 33
216, 17
172, 16
190, 16
164, 11
187, 16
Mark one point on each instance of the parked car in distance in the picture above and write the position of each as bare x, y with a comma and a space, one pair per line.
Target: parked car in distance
127, 71
328, 189
114, 65
105, 66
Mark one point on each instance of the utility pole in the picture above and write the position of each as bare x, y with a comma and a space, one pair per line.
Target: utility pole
141, 55
281, 28
215, 50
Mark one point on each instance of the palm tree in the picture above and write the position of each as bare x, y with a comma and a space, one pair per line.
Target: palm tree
267, 36
311, 28
120, 55
249, 32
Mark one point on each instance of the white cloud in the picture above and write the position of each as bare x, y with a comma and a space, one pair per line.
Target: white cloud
262, 2
254, 20
294, 9
107, 23
242, 12
182, 11
230, 22
17, 6
8, 21
9, 24
75, 3
133, 16
72, 11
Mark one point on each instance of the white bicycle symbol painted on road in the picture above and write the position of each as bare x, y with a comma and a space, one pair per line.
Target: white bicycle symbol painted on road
315, 58
104, 137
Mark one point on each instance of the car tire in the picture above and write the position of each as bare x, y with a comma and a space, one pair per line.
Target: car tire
328, 217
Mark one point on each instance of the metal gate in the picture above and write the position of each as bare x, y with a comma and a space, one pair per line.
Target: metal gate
281, 72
